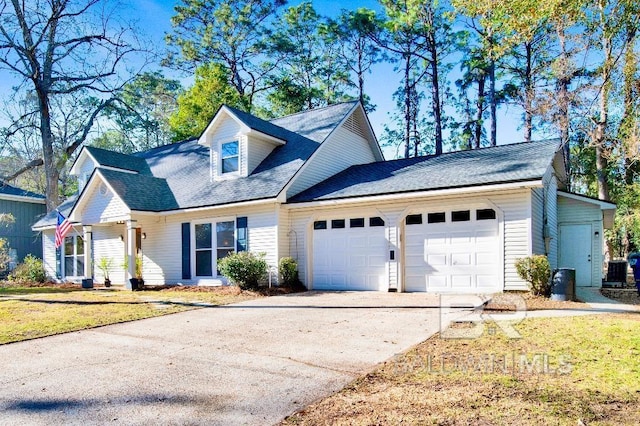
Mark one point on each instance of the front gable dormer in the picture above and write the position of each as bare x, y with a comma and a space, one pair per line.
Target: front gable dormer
237, 144
90, 158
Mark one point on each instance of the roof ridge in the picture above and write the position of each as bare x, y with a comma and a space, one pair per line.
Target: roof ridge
155, 148
314, 110
484, 148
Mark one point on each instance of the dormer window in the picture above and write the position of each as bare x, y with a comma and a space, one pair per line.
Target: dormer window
229, 155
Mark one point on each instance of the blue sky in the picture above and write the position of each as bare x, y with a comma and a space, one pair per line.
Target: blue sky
380, 85
153, 17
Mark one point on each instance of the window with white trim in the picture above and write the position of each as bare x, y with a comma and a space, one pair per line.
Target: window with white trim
229, 157
73, 256
213, 241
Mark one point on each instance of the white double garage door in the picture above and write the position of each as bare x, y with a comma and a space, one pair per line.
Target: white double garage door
442, 251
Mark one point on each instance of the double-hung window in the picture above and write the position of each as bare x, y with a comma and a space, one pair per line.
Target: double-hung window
213, 241
229, 155
73, 256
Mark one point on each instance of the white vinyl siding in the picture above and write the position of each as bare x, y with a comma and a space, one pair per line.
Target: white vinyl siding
227, 131
257, 150
552, 221
572, 211
49, 252
537, 220
162, 261
516, 232
107, 244
102, 207
342, 149
85, 172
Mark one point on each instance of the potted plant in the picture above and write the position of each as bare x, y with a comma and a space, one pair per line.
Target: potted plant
139, 281
105, 264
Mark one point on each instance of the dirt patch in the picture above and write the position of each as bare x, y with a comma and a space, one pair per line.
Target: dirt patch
222, 290
560, 372
512, 301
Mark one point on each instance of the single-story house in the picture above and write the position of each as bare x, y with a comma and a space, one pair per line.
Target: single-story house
315, 186
26, 207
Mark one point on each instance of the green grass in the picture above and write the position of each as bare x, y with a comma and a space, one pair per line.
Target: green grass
27, 313
592, 375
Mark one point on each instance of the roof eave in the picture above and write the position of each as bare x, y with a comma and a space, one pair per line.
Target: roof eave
534, 183
23, 198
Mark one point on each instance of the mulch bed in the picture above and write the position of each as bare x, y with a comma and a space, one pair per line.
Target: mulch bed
502, 302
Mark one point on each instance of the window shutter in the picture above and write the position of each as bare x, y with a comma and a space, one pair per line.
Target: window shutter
242, 241
186, 251
59, 262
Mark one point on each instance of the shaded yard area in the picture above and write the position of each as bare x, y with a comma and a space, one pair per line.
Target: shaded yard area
31, 312
565, 371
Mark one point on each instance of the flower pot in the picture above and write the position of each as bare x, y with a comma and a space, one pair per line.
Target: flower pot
107, 282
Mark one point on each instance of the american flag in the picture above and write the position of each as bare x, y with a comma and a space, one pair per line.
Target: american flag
62, 228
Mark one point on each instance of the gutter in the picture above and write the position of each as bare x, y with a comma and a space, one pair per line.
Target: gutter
429, 193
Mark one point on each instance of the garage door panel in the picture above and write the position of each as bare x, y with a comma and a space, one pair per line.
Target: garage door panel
437, 259
459, 259
487, 281
350, 258
486, 259
377, 261
461, 281
453, 256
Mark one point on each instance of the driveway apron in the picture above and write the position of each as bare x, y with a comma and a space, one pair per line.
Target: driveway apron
249, 363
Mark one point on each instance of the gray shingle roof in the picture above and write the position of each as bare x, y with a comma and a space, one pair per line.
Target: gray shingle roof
117, 160
178, 174
51, 218
501, 164
7, 189
141, 192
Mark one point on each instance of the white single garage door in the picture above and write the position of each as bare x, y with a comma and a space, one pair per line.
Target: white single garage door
453, 251
350, 254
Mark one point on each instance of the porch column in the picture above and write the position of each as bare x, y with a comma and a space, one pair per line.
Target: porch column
88, 255
131, 250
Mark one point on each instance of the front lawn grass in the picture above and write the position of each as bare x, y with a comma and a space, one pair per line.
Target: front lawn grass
564, 371
31, 312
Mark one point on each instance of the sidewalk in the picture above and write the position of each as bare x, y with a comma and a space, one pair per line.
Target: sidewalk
592, 297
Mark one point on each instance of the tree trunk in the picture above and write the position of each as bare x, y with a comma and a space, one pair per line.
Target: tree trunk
528, 93
479, 108
407, 106
435, 92
629, 122
599, 139
494, 102
563, 98
51, 172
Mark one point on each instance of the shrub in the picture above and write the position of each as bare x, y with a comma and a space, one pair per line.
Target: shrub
288, 268
29, 271
244, 269
536, 271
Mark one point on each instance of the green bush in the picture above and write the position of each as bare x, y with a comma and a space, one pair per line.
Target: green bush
536, 271
29, 271
288, 268
244, 269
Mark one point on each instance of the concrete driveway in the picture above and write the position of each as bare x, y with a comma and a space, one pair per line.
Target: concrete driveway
248, 363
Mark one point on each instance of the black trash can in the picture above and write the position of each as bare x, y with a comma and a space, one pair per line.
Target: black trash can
634, 261
87, 283
563, 284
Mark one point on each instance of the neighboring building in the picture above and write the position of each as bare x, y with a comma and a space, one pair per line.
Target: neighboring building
315, 186
26, 208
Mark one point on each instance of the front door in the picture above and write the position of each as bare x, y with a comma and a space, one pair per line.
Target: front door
575, 252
